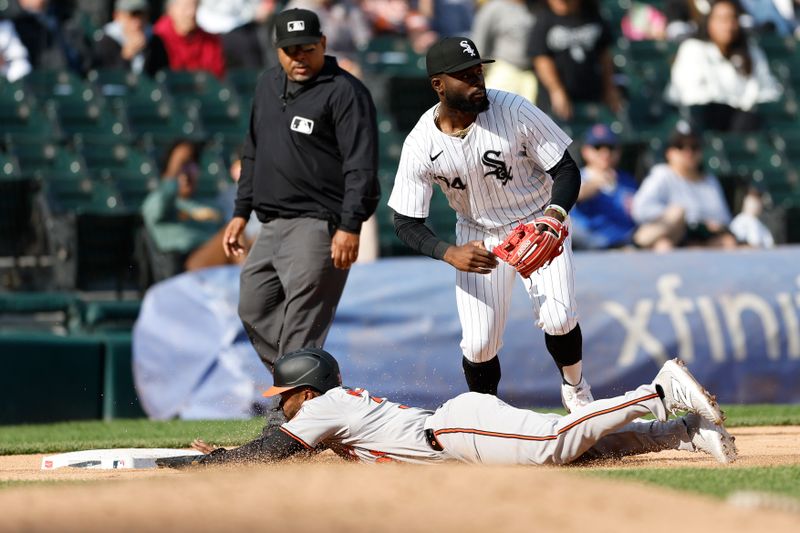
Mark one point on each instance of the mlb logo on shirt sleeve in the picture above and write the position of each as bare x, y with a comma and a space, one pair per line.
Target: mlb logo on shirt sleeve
296, 25
302, 125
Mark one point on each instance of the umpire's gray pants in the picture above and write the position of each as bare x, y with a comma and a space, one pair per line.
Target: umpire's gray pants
289, 287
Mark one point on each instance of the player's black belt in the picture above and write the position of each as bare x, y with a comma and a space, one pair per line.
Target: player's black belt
430, 436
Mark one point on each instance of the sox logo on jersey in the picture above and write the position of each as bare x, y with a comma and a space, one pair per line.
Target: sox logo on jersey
499, 169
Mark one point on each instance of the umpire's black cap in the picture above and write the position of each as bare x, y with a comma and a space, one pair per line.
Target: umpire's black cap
306, 367
296, 26
452, 54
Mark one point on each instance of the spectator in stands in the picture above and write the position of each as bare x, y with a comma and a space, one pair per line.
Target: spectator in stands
176, 222
347, 27
720, 76
242, 26
188, 46
747, 227
13, 54
128, 42
397, 17
602, 216
53, 38
448, 17
644, 22
772, 16
680, 205
570, 45
684, 17
501, 30
211, 253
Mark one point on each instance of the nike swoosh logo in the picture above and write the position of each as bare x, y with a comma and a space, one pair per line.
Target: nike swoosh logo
435, 157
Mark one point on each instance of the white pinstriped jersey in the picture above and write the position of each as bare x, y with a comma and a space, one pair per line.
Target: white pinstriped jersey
358, 426
493, 177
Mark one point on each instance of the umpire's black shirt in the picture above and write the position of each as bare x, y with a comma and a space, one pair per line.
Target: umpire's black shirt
311, 150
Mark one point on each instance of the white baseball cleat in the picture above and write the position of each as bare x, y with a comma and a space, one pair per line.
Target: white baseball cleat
683, 393
711, 438
575, 396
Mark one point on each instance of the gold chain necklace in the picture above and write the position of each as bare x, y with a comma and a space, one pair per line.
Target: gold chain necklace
458, 133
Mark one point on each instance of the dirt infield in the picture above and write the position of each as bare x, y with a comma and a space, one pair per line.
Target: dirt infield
326, 494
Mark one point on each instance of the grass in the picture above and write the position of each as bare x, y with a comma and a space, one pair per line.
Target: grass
138, 433
718, 482
142, 433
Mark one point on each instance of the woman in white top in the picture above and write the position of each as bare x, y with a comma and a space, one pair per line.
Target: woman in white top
13, 54
721, 76
680, 205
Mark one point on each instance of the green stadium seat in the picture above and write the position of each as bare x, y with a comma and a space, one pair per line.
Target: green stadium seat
388, 54
776, 46
122, 88
105, 160
28, 121
37, 311
81, 195
92, 120
55, 83
132, 186
781, 116
9, 167
244, 81
229, 122
163, 123
196, 86
746, 154
213, 177
586, 114
42, 159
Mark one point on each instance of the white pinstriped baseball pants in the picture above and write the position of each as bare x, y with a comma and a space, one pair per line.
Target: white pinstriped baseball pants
483, 300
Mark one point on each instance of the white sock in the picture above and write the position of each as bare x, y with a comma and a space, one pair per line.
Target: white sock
572, 373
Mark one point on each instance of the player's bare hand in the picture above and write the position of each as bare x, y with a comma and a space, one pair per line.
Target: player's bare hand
561, 104
232, 242
344, 248
202, 446
471, 257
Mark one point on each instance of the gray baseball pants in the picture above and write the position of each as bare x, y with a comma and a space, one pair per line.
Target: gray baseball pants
289, 288
480, 428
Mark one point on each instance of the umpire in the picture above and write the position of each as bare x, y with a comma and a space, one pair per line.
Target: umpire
309, 170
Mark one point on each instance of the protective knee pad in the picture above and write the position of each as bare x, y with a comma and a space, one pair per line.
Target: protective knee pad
565, 349
557, 320
480, 349
482, 377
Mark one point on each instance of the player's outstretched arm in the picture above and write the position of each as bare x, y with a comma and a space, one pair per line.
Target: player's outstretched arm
471, 257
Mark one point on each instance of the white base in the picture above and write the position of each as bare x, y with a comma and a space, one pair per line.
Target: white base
112, 459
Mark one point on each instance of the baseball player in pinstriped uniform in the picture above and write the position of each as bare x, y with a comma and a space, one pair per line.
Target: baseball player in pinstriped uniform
473, 427
501, 162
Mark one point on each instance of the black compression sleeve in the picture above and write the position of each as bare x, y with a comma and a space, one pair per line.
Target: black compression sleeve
566, 182
272, 445
419, 237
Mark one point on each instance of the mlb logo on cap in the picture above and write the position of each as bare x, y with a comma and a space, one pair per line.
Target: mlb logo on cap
295, 27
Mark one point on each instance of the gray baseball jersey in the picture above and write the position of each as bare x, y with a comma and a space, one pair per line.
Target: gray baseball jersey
480, 428
494, 178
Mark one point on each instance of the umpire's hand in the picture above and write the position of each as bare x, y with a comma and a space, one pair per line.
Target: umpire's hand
232, 240
471, 257
344, 248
